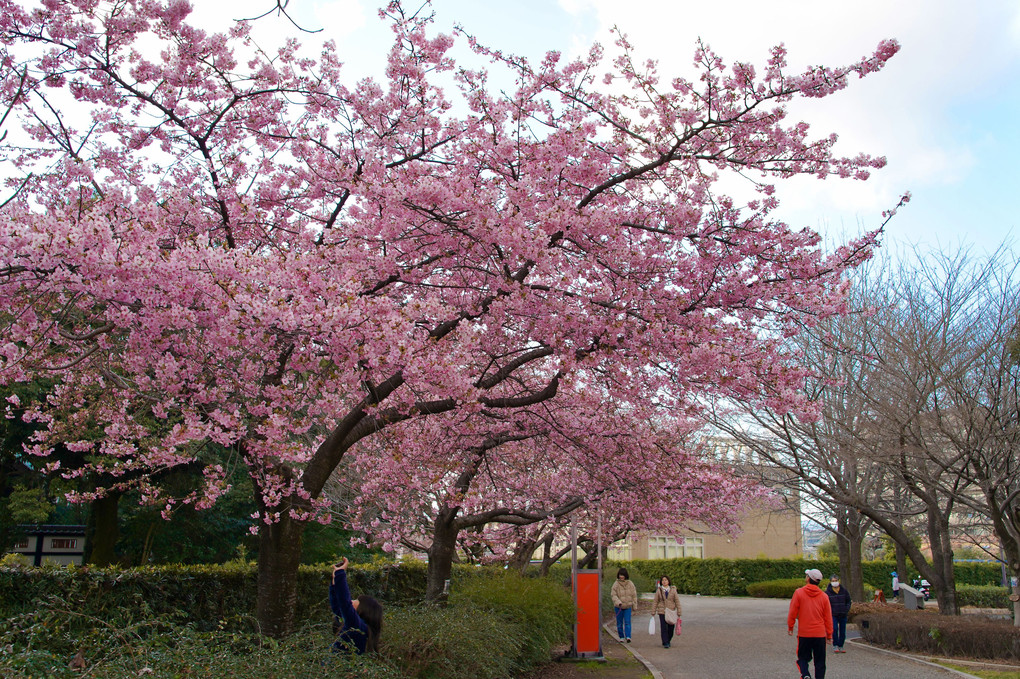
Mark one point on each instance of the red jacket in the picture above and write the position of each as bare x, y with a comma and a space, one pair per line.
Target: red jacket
810, 606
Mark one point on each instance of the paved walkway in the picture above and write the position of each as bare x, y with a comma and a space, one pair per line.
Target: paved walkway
744, 638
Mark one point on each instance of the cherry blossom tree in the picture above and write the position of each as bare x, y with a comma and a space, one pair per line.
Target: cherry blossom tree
252, 252
580, 457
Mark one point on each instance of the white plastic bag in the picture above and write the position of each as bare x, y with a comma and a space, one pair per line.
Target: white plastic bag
651, 625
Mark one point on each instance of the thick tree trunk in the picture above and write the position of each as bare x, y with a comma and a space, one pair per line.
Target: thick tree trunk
942, 561
523, 552
441, 555
849, 542
279, 558
854, 569
901, 561
103, 531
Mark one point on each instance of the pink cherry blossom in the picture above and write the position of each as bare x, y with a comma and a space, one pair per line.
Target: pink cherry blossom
227, 247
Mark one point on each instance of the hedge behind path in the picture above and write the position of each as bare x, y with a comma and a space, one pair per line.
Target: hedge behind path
730, 577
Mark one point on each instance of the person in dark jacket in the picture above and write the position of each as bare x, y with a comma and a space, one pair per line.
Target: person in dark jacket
356, 624
839, 602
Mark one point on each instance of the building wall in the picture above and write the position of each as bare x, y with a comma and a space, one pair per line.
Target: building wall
774, 534
61, 550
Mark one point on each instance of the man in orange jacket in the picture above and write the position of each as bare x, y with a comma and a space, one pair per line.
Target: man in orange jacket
810, 609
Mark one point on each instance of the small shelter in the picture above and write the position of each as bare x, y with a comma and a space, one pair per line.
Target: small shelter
61, 545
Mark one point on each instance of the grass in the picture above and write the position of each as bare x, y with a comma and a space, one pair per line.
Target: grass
984, 674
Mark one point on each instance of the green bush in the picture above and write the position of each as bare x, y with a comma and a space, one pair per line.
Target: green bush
496, 625
209, 597
987, 596
783, 589
542, 608
775, 589
927, 632
730, 577
45, 643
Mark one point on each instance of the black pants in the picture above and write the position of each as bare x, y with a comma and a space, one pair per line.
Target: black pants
665, 629
807, 647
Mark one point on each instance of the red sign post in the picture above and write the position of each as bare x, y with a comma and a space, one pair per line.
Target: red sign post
587, 586
588, 626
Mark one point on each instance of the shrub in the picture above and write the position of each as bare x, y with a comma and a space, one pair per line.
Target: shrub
543, 609
497, 625
44, 643
783, 589
209, 597
926, 631
428, 642
989, 596
730, 577
775, 589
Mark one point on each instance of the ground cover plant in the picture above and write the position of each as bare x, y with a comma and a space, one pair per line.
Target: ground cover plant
497, 625
984, 673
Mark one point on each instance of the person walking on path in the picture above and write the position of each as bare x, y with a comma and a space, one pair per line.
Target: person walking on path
625, 598
839, 602
356, 624
667, 607
810, 610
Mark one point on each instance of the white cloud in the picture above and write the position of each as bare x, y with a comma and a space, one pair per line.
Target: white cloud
956, 58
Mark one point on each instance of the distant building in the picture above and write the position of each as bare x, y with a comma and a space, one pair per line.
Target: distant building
814, 536
42, 544
769, 533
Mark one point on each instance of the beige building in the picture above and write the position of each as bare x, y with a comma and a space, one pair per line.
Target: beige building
774, 534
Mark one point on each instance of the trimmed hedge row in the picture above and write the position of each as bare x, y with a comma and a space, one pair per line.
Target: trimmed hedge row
208, 596
983, 596
730, 577
783, 589
926, 631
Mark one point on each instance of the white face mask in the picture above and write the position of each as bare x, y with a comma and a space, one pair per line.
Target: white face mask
835, 583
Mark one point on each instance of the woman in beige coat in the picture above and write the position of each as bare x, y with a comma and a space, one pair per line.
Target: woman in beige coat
624, 595
667, 601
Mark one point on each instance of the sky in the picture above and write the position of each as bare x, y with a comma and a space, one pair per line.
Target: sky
943, 111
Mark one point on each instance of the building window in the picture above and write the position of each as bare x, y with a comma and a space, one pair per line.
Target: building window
21, 544
620, 551
63, 543
661, 547
694, 548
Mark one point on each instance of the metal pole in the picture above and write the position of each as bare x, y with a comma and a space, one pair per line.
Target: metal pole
573, 578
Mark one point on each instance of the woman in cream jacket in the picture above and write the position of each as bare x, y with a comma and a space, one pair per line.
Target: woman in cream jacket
666, 599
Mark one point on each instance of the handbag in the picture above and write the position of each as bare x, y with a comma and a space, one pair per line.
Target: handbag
671, 616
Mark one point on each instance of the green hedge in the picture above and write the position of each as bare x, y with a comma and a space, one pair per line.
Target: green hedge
496, 625
730, 577
775, 589
983, 596
207, 596
928, 632
783, 589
